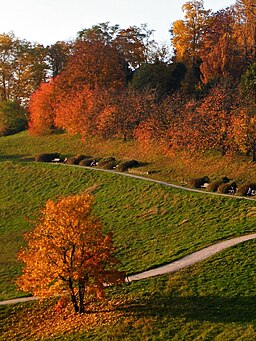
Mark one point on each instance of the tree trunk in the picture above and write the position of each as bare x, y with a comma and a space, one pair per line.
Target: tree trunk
81, 299
73, 296
254, 152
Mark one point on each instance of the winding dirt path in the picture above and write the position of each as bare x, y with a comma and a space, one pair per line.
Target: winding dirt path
179, 264
159, 182
191, 259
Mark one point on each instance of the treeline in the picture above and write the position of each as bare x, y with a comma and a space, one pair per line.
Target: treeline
114, 82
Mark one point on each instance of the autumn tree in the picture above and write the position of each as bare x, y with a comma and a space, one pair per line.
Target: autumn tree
244, 116
243, 123
187, 39
187, 33
22, 68
123, 113
94, 64
57, 56
42, 110
77, 112
163, 125
135, 43
246, 27
211, 119
223, 53
93, 70
68, 254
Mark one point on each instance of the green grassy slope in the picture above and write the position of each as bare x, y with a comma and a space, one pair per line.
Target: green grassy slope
213, 300
152, 225
175, 168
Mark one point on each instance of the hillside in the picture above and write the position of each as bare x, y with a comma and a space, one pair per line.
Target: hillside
152, 225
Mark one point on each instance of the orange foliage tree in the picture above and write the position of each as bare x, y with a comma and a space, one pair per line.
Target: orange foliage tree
95, 64
41, 108
221, 53
212, 119
244, 129
93, 70
123, 113
76, 112
68, 254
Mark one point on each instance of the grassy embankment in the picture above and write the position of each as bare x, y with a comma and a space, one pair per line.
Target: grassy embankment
152, 225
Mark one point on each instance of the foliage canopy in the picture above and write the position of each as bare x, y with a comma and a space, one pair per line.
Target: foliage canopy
68, 254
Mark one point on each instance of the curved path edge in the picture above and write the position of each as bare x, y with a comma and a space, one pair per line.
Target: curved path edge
159, 182
191, 259
179, 264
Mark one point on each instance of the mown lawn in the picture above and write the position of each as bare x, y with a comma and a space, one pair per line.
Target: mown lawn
213, 300
173, 168
152, 225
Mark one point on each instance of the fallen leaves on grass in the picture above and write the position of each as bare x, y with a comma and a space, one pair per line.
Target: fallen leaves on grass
46, 320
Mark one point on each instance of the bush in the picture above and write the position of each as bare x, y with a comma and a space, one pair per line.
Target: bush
80, 157
125, 165
214, 185
198, 182
106, 160
71, 161
107, 163
47, 157
86, 162
225, 188
243, 189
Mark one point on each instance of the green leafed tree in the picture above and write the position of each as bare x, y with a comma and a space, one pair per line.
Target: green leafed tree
13, 118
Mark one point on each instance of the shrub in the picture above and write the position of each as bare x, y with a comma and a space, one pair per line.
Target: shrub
106, 160
225, 188
75, 160
80, 157
46, 157
243, 189
86, 162
214, 185
107, 163
198, 182
71, 161
125, 165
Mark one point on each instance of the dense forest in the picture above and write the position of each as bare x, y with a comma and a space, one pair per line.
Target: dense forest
119, 83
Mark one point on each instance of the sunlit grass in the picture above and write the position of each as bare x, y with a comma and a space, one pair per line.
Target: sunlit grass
213, 300
152, 224
174, 168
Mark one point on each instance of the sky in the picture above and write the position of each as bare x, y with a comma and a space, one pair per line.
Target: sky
49, 21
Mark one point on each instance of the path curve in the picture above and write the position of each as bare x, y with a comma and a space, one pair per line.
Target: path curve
159, 182
191, 259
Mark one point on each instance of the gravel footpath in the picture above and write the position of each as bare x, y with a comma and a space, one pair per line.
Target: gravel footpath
191, 259
171, 267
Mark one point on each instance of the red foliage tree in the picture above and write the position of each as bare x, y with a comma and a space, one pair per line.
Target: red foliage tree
41, 108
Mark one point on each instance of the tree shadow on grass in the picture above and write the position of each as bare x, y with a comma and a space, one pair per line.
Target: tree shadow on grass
202, 308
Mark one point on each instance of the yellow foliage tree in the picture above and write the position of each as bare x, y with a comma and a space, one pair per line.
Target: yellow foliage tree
68, 254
